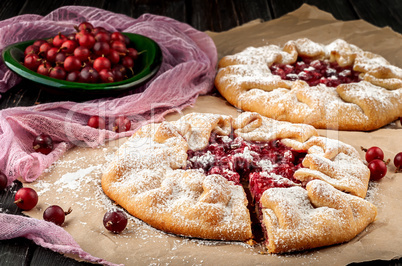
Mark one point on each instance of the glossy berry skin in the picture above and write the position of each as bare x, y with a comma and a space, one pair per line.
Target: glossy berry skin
59, 39
55, 214
96, 122
85, 26
32, 61
374, 153
72, 63
82, 53
115, 221
121, 124
44, 69
107, 75
398, 162
378, 169
43, 143
3, 181
57, 72
101, 63
87, 40
26, 198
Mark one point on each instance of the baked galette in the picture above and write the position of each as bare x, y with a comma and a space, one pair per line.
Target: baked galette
335, 86
206, 175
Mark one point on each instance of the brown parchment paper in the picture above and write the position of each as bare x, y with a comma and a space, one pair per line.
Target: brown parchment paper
74, 181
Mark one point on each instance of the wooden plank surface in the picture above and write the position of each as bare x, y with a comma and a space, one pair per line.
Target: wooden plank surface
214, 15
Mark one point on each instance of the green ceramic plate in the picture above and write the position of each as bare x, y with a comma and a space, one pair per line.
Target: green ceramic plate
147, 65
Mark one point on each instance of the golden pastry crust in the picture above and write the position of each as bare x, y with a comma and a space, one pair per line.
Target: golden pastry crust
245, 81
148, 178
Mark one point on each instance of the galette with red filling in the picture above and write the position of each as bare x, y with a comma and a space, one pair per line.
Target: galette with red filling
208, 175
336, 86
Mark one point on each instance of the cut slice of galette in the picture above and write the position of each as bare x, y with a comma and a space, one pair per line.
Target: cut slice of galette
200, 176
336, 86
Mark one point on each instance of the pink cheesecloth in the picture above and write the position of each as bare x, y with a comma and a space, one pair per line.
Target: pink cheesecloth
188, 70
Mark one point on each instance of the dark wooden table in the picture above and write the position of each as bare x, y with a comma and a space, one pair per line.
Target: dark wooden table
217, 15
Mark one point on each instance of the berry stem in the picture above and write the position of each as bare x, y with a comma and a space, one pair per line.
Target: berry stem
68, 211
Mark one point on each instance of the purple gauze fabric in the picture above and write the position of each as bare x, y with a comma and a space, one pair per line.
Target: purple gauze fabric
188, 69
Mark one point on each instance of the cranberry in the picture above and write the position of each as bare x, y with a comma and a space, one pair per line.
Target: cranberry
374, 153
101, 48
88, 75
72, 63
117, 36
378, 169
115, 221
38, 43
87, 40
55, 214
133, 53
119, 46
68, 46
82, 53
32, 61
44, 69
113, 56
51, 54
44, 48
26, 198
59, 58
57, 72
43, 143
96, 122
398, 162
107, 75
85, 26
3, 181
121, 124
59, 39
31, 49
101, 63
96, 30
102, 36
73, 76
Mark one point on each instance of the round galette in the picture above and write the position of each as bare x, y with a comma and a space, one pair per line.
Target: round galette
212, 176
336, 86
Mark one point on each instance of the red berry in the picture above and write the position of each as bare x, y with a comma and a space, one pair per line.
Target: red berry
115, 221
72, 63
96, 122
378, 169
59, 58
133, 53
32, 61
374, 153
3, 181
26, 198
87, 40
121, 124
119, 46
31, 49
101, 63
117, 36
51, 54
43, 143
68, 46
44, 48
82, 53
38, 43
398, 162
88, 75
59, 39
101, 48
102, 37
73, 76
57, 72
113, 56
44, 69
85, 26
127, 62
97, 30
55, 214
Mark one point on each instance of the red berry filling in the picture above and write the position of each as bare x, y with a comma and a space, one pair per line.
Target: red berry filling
316, 72
263, 164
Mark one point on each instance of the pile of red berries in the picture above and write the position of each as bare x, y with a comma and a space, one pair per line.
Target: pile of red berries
378, 167
90, 55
